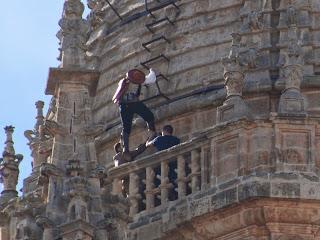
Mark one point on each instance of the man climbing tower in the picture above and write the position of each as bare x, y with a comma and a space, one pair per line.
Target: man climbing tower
127, 96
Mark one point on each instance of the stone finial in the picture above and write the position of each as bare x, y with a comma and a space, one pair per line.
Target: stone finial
233, 74
233, 107
9, 150
291, 63
73, 35
9, 165
39, 117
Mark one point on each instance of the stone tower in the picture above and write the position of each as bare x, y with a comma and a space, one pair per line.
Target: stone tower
239, 80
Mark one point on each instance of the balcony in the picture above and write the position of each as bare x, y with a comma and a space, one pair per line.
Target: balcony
155, 180
228, 164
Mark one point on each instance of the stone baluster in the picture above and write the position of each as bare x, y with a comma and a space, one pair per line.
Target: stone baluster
195, 170
164, 182
149, 188
134, 193
117, 187
182, 188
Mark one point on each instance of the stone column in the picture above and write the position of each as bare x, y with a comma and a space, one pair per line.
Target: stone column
234, 107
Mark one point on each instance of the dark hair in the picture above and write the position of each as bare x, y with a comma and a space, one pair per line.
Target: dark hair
117, 147
168, 129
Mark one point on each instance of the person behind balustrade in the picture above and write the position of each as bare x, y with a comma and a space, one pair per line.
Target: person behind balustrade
165, 141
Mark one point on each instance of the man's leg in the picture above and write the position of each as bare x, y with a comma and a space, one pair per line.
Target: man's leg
142, 110
126, 115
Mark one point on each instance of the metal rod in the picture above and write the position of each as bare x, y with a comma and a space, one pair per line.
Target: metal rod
115, 11
149, 25
144, 45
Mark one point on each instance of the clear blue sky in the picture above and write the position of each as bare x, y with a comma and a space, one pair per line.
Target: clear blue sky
28, 48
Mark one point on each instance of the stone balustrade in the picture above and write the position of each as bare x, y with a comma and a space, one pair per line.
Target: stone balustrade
231, 161
161, 177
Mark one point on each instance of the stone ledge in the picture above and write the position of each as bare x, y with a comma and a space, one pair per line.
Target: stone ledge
74, 76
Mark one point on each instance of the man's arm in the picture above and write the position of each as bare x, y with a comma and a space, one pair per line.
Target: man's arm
149, 143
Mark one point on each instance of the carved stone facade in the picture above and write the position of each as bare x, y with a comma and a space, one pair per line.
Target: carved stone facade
239, 80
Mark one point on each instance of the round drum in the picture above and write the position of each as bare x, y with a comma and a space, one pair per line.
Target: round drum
136, 76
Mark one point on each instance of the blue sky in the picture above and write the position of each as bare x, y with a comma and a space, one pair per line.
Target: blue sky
28, 48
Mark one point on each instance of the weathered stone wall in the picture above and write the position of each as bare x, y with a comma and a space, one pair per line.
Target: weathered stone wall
200, 38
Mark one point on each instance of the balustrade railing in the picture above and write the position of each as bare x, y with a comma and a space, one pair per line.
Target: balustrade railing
165, 176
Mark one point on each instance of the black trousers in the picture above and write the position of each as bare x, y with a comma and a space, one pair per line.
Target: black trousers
127, 111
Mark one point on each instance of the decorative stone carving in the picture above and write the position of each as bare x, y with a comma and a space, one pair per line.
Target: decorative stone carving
40, 140
52, 109
253, 21
291, 63
47, 226
54, 128
292, 16
27, 231
234, 106
48, 169
232, 69
78, 210
250, 58
77, 186
9, 165
98, 11
73, 35
292, 156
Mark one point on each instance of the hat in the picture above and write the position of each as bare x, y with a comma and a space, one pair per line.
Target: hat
136, 76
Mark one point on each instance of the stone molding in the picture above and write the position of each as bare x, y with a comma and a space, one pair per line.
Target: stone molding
76, 77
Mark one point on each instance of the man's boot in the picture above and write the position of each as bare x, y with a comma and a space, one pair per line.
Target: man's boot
125, 147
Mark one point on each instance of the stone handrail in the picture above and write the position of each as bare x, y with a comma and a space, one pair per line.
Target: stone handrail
165, 176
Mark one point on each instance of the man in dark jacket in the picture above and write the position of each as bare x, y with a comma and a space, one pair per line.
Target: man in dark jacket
166, 140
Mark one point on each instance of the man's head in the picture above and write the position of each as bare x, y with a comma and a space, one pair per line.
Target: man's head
117, 147
167, 130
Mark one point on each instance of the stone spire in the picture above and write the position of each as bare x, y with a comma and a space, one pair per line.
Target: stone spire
73, 35
9, 167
